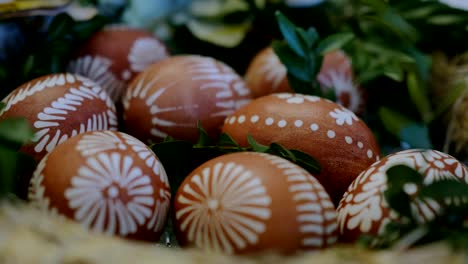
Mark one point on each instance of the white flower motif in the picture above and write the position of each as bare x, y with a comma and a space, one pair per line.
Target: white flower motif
297, 98
110, 195
343, 116
144, 52
347, 93
223, 208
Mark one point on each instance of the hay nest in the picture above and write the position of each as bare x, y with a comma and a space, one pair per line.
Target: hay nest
28, 235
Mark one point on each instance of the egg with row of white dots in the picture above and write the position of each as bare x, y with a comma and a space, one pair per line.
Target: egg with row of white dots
332, 134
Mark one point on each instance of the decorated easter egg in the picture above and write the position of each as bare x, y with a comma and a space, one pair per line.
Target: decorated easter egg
330, 133
364, 210
116, 54
266, 74
171, 96
252, 202
59, 106
108, 181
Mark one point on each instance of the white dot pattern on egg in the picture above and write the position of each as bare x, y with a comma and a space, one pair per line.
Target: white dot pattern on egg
113, 184
60, 106
235, 203
325, 130
363, 209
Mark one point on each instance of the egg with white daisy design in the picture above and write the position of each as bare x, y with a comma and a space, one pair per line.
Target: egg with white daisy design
332, 134
108, 181
113, 56
250, 202
363, 209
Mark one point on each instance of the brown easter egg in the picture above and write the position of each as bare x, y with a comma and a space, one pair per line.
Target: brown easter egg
59, 106
266, 74
113, 56
332, 134
108, 181
171, 96
364, 210
252, 202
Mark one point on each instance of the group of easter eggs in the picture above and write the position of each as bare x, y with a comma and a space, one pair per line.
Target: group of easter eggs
124, 91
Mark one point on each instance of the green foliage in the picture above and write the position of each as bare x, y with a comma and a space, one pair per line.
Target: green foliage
179, 158
302, 53
13, 134
407, 231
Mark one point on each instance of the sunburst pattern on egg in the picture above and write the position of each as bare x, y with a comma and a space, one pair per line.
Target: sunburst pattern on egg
168, 98
108, 181
363, 209
114, 66
59, 106
332, 134
253, 202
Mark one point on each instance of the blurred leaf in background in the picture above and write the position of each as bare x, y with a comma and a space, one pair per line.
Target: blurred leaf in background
13, 134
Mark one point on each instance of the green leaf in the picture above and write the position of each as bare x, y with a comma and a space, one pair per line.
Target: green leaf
393, 72
308, 37
307, 162
256, 146
398, 177
416, 135
15, 131
334, 42
8, 159
419, 96
2, 105
445, 20
61, 25
393, 121
203, 138
295, 65
226, 140
442, 190
454, 93
405, 129
279, 150
288, 30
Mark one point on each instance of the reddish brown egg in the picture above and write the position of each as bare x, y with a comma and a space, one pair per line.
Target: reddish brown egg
116, 54
59, 106
332, 134
252, 202
169, 97
363, 209
266, 74
108, 181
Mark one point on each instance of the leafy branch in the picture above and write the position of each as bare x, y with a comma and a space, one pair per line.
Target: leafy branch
302, 53
179, 157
